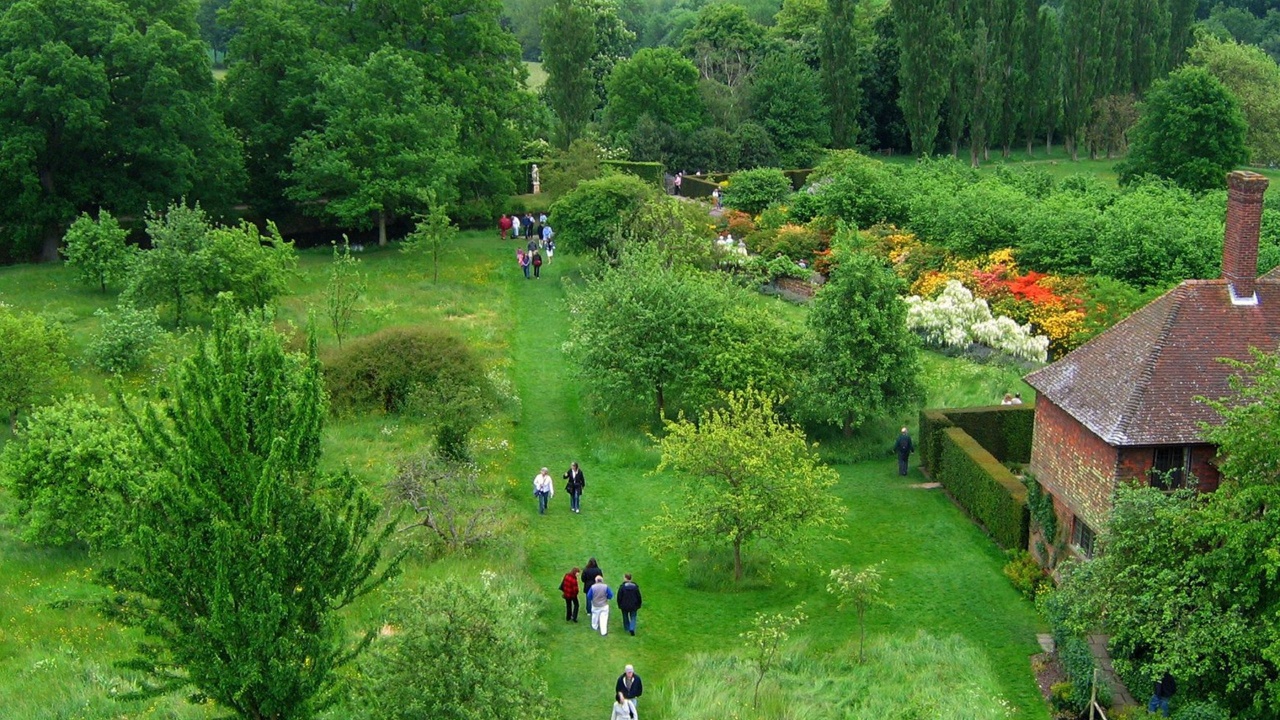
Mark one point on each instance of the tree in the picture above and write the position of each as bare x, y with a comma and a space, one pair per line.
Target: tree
1254, 79
457, 650
34, 362
97, 249
1247, 437
841, 64
725, 44
1156, 235
751, 478
447, 498
786, 97
254, 268
571, 85
243, 551
173, 272
74, 472
861, 590
751, 191
767, 636
658, 83
864, 362
345, 288
591, 217
385, 144
1191, 131
432, 234
104, 104
927, 36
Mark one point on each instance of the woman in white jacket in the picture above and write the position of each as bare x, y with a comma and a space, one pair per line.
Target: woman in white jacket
623, 709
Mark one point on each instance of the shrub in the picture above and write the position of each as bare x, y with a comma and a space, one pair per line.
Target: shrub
1073, 653
71, 473
753, 190
932, 423
794, 242
857, 189
126, 339
1025, 573
984, 488
421, 371
1200, 710
591, 216
955, 319
97, 249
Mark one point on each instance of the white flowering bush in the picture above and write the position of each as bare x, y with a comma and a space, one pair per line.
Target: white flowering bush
956, 319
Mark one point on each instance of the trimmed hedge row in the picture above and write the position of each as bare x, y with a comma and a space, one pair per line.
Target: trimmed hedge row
983, 487
932, 423
1004, 430
650, 172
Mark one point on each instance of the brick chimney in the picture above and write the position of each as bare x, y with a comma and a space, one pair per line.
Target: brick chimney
1240, 247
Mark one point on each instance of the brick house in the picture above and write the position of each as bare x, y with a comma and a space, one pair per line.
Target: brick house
1123, 405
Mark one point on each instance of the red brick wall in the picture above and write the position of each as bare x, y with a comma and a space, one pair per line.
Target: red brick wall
1135, 462
1073, 464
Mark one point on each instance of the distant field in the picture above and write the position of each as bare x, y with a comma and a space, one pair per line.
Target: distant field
537, 76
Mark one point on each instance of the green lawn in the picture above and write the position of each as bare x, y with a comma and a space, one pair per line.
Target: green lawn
537, 76
56, 654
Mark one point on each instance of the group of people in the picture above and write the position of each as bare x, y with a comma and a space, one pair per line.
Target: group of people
599, 594
1011, 399
521, 227
540, 239
544, 489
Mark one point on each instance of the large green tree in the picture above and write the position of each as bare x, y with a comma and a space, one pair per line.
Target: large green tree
1254, 79
863, 361
103, 104
571, 84
385, 144
1191, 132
787, 99
842, 56
927, 37
751, 478
243, 551
658, 83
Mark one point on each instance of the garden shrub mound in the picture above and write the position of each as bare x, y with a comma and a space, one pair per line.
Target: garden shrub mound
422, 371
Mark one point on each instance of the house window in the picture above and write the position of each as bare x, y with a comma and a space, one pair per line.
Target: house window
1082, 536
1171, 467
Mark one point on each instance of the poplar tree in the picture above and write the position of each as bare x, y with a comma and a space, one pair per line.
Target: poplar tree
567, 58
841, 70
242, 551
927, 35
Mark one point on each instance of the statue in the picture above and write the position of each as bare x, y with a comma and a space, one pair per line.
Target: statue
537, 184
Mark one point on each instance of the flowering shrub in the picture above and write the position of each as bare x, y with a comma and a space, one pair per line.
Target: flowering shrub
793, 241
956, 319
738, 223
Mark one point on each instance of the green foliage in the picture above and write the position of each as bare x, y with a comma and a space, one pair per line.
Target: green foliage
983, 487
34, 363
1059, 234
426, 372
566, 168
793, 242
243, 551
753, 190
457, 650
928, 36
454, 507
751, 478
591, 217
857, 190
1249, 448
384, 145
650, 172
1002, 430
929, 445
74, 472
766, 638
1072, 647
1254, 79
979, 218
254, 268
1156, 235
862, 591
1044, 518
787, 99
1025, 573
863, 361
755, 147
433, 234
173, 272
126, 339
97, 249
1200, 710
658, 83
343, 291
571, 86
1191, 131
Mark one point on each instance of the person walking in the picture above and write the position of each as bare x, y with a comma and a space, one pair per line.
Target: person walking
504, 226
629, 684
547, 234
678, 181
569, 590
551, 250
1164, 689
524, 262
715, 198
574, 482
590, 573
537, 264
598, 598
629, 603
543, 489
515, 226
623, 709
903, 448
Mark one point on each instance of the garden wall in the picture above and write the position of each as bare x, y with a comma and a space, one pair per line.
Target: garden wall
965, 450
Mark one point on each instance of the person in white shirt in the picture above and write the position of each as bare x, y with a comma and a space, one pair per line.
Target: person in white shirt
623, 709
543, 489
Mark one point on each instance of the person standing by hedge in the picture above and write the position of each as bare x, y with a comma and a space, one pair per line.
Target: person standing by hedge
1164, 690
903, 448
575, 482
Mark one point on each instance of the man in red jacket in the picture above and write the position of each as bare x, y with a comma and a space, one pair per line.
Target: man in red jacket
504, 226
569, 589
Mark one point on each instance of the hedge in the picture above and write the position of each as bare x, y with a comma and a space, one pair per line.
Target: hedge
692, 186
652, 172
932, 422
1004, 430
983, 487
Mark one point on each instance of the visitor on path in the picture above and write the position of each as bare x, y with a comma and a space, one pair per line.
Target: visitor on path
523, 258
629, 684
1164, 689
903, 448
515, 226
575, 482
598, 598
528, 224
569, 590
623, 709
677, 182
551, 250
542, 219
531, 246
547, 234
1007, 399
629, 603
1017, 399
504, 226
589, 575
543, 489
715, 198
537, 264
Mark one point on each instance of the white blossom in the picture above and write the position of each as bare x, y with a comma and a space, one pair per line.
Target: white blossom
957, 319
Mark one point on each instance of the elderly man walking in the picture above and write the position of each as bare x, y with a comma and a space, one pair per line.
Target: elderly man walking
598, 598
629, 684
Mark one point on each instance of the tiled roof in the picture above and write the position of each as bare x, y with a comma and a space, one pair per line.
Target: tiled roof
1137, 383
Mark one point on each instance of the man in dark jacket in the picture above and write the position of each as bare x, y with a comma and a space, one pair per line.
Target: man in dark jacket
629, 684
574, 485
1165, 688
903, 448
629, 603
